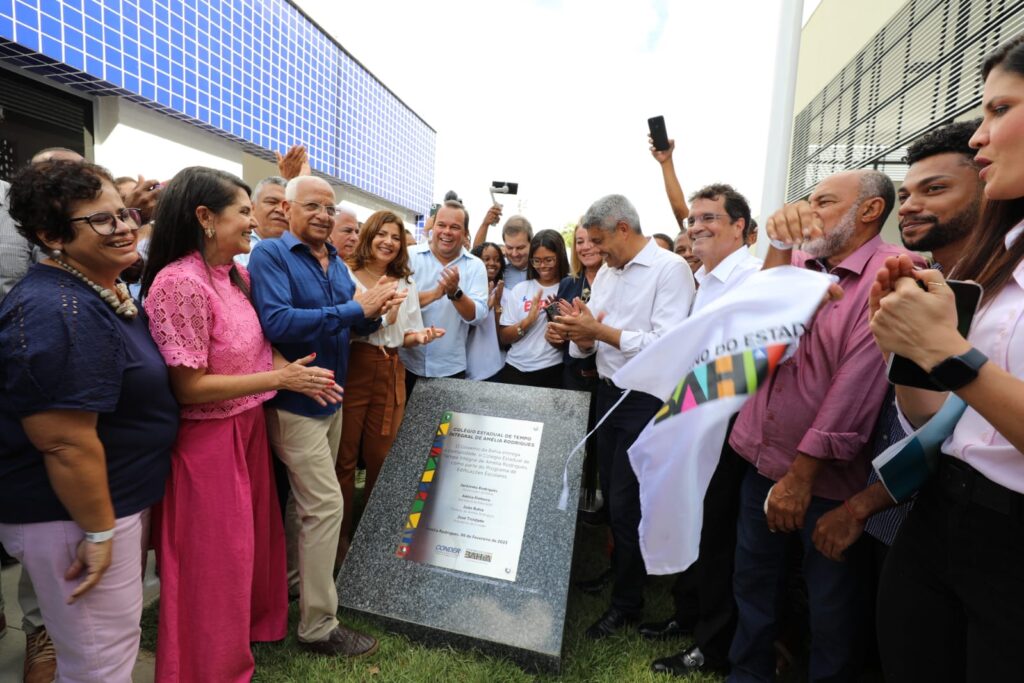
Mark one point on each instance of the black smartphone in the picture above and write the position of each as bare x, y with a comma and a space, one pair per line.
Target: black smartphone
908, 373
552, 310
658, 133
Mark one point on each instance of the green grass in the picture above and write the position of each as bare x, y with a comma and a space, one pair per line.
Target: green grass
624, 658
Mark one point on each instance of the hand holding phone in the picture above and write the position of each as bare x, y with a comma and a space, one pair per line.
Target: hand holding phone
659, 136
906, 372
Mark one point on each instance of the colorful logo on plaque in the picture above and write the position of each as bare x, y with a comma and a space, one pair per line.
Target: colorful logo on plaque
412, 522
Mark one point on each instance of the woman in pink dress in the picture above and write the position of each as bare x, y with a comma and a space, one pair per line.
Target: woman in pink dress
220, 540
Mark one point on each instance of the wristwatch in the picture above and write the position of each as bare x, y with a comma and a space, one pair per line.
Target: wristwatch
456, 296
958, 371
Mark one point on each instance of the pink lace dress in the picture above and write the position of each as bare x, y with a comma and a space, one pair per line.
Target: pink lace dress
220, 540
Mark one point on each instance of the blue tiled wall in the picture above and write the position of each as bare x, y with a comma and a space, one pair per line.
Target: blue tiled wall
255, 71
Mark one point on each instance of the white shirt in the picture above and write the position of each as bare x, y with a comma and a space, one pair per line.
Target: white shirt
392, 335
645, 298
532, 352
731, 272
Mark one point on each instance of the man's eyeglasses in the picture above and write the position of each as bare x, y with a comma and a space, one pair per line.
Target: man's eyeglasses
546, 261
312, 207
105, 222
705, 218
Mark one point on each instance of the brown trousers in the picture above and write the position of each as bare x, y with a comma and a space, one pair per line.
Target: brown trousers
374, 406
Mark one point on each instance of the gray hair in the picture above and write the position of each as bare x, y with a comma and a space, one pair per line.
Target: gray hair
517, 225
291, 190
877, 184
271, 180
608, 211
344, 211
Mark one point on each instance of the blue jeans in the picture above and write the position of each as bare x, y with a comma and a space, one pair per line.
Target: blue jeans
834, 589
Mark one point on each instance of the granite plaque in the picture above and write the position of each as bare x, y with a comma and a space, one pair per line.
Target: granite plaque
445, 597
469, 511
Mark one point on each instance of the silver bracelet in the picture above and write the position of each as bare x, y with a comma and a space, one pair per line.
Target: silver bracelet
782, 246
99, 536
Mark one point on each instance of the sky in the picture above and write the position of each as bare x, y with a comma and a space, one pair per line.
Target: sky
555, 94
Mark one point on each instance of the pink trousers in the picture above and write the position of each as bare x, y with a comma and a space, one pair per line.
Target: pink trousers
221, 552
96, 638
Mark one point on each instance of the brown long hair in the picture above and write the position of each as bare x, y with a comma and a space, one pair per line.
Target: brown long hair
990, 263
363, 254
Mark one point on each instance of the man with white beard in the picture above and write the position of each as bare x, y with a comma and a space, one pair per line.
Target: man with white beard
806, 435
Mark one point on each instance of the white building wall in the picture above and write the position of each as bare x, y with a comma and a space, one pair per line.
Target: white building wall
133, 140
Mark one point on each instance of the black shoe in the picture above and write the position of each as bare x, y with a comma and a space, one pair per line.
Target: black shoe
597, 584
683, 663
663, 630
610, 623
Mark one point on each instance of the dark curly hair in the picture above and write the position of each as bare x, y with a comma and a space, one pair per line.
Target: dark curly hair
736, 205
42, 194
176, 228
363, 254
953, 137
478, 251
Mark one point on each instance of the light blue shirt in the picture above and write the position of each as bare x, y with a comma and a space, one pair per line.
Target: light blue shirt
513, 276
445, 356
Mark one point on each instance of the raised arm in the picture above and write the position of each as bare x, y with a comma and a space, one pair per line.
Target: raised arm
676, 198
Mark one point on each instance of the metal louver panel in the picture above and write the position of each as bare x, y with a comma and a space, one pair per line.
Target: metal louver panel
922, 69
38, 101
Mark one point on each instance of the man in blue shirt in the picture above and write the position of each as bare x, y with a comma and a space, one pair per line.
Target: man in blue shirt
458, 300
306, 304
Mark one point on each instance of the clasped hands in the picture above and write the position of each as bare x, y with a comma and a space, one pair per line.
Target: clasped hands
382, 298
574, 323
919, 323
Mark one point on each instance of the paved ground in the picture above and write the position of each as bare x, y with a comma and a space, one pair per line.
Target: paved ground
12, 646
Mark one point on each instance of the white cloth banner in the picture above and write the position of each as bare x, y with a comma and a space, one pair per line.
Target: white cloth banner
704, 370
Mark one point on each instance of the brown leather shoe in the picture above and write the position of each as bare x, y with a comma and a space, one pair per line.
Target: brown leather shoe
40, 658
343, 642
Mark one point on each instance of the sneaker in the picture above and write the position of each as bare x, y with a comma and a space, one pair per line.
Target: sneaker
342, 642
40, 658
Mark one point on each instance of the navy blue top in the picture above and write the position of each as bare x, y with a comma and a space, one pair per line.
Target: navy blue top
64, 348
570, 289
304, 310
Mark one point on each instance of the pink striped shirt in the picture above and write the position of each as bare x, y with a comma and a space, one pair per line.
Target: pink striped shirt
824, 401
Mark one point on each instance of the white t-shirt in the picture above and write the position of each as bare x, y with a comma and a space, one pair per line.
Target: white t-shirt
532, 352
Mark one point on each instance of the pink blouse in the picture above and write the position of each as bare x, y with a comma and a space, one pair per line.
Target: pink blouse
198, 319
998, 332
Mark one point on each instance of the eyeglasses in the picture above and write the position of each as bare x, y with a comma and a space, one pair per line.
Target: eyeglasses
313, 207
705, 218
546, 261
105, 223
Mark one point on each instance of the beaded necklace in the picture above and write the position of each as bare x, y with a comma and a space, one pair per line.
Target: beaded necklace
119, 299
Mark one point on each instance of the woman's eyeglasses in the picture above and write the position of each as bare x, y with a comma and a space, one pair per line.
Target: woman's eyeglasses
105, 222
